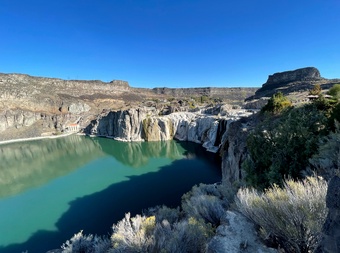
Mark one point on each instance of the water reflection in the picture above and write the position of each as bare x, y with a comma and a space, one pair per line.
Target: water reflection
30, 164
137, 154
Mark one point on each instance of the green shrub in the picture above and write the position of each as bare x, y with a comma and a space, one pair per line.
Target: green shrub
281, 146
291, 216
335, 91
277, 103
204, 99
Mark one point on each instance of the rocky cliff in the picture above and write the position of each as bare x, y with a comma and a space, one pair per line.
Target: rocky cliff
139, 124
50, 104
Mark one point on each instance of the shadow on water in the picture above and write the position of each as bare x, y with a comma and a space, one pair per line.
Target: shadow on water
96, 213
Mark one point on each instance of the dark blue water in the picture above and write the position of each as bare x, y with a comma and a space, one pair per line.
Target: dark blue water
51, 189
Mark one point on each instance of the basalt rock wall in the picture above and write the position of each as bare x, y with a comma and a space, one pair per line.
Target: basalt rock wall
141, 124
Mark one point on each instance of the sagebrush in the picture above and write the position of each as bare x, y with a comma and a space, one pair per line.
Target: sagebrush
291, 216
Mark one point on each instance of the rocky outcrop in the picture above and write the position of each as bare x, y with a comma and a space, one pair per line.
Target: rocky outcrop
125, 125
236, 234
331, 230
234, 149
295, 81
303, 74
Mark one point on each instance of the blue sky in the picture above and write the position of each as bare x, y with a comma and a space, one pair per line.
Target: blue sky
172, 43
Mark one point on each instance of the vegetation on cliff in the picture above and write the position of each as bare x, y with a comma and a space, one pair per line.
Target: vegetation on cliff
287, 137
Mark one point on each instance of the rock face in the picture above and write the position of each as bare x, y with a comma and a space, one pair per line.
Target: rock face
144, 124
303, 74
236, 234
234, 149
50, 104
331, 230
121, 125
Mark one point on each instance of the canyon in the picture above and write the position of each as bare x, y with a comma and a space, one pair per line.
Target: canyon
219, 119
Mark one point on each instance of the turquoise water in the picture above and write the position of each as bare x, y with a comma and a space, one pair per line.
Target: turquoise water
51, 189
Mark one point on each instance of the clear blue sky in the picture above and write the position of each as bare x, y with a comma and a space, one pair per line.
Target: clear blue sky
173, 43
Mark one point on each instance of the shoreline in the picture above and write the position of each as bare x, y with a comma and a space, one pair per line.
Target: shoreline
35, 138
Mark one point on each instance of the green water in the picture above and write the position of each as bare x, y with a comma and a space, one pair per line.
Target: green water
53, 188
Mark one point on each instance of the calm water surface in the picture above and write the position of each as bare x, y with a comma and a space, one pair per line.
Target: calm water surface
53, 188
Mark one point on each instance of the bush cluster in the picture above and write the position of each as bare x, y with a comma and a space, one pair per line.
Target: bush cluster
281, 146
162, 229
292, 216
277, 103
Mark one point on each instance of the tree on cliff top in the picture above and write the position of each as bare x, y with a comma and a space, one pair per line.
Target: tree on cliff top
316, 90
277, 103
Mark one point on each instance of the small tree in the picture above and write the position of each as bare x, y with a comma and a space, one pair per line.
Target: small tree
316, 90
277, 103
